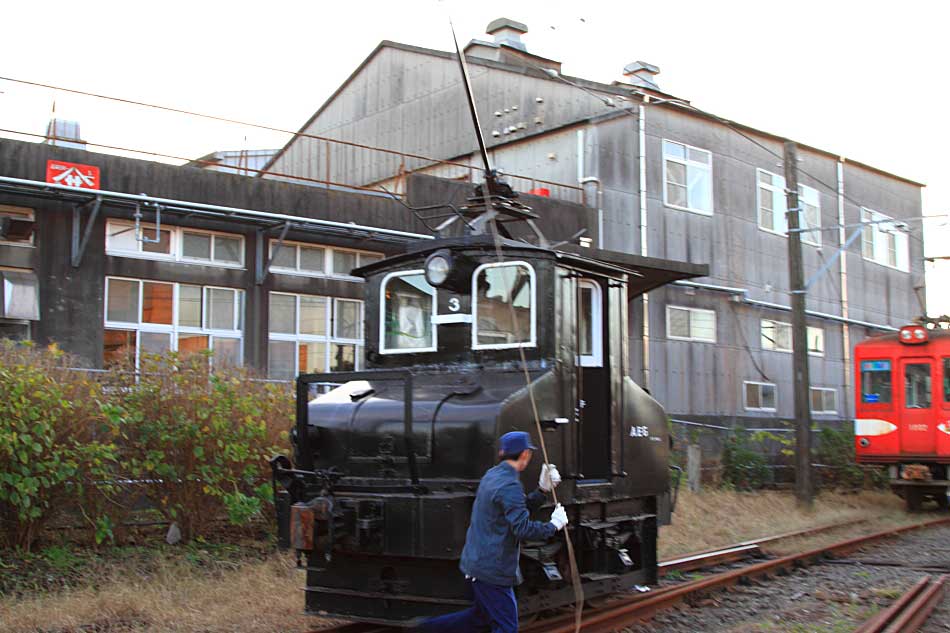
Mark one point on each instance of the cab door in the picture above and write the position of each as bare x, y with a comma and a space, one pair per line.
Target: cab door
917, 414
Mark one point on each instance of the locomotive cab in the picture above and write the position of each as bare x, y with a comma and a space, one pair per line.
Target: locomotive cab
466, 339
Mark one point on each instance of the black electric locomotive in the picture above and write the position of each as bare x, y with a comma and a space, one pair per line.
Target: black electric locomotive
467, 338
387, 464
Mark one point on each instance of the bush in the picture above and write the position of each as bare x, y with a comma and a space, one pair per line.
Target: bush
55, 442
743, 466
836, 451
199, 440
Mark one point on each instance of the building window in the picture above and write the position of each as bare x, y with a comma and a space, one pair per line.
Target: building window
884, 242
777, 336
759, 396
314, 260
824, 401
687, 173
175, 243
156, 317
773, 207
503, 298
816, 341
313, 334
690, 324
16, 225
20, 292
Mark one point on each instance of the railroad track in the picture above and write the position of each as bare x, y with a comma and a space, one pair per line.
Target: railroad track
635, 608
909, 612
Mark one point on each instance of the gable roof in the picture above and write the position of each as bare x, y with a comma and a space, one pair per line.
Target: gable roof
617, 88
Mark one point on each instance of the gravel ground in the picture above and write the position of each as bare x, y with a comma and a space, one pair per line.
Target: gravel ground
826, 598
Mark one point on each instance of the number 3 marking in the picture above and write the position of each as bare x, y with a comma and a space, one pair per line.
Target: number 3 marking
454, 304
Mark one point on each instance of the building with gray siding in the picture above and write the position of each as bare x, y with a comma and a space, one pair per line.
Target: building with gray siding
666, 180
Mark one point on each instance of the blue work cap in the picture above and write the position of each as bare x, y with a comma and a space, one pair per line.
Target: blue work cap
514, 442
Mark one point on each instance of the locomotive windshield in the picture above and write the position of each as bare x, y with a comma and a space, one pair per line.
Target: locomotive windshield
917, 386
503, 298
408, 306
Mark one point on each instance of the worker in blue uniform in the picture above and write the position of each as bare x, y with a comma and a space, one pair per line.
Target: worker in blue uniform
500, 521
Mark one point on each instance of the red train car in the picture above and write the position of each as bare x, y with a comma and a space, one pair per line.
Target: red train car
902, 410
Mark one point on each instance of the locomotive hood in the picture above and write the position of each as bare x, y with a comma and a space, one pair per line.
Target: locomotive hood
359, 427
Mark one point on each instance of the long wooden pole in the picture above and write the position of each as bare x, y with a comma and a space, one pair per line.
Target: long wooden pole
804, 489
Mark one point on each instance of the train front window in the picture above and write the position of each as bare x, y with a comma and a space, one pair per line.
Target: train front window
875, 381
408, 303
946, 380
917, 386
503, 296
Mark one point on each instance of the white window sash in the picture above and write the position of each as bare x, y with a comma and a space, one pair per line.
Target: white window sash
596, 357
328, 252
687, 165
532, 341
176, 244
745, 400
174, 329
382, 316
690, 336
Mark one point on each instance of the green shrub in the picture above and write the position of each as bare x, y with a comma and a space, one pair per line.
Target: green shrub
744, 466
836, 450
55, 442
200, 439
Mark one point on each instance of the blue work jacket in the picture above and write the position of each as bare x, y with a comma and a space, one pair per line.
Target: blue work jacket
499, 523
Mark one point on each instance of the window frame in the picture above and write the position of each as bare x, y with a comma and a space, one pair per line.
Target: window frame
9, 210
824, 390
745, 400
692, 338
328, 252
174, 329
176, 244
382, 315
686, 162
533, 338
901, 255
812, 238
596, 357
328, 338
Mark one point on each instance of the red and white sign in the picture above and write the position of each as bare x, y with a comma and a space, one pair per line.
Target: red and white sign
72, 174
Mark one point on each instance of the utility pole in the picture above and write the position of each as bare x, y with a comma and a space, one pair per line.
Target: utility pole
804, 490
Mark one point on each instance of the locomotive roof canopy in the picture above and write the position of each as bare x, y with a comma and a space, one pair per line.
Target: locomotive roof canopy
645, 273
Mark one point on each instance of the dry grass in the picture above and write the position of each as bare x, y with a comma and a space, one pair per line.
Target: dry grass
715, 518
258, 596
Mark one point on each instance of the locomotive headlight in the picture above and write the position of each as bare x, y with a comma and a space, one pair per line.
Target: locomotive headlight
438, 268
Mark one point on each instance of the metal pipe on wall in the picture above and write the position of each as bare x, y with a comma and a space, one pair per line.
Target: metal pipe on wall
743, 294
231, 211
644, 237
845, 330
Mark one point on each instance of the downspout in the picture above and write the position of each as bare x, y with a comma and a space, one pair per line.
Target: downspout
644, 251
845, 329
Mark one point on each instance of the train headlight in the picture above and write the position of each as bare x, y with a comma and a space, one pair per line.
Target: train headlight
438, 268
913, 334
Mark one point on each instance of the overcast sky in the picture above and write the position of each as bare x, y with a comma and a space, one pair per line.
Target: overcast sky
867, 80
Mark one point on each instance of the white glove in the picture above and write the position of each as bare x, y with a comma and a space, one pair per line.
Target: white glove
549, 478
559, 517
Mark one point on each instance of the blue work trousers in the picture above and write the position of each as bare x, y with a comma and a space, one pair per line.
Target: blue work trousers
495, 609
